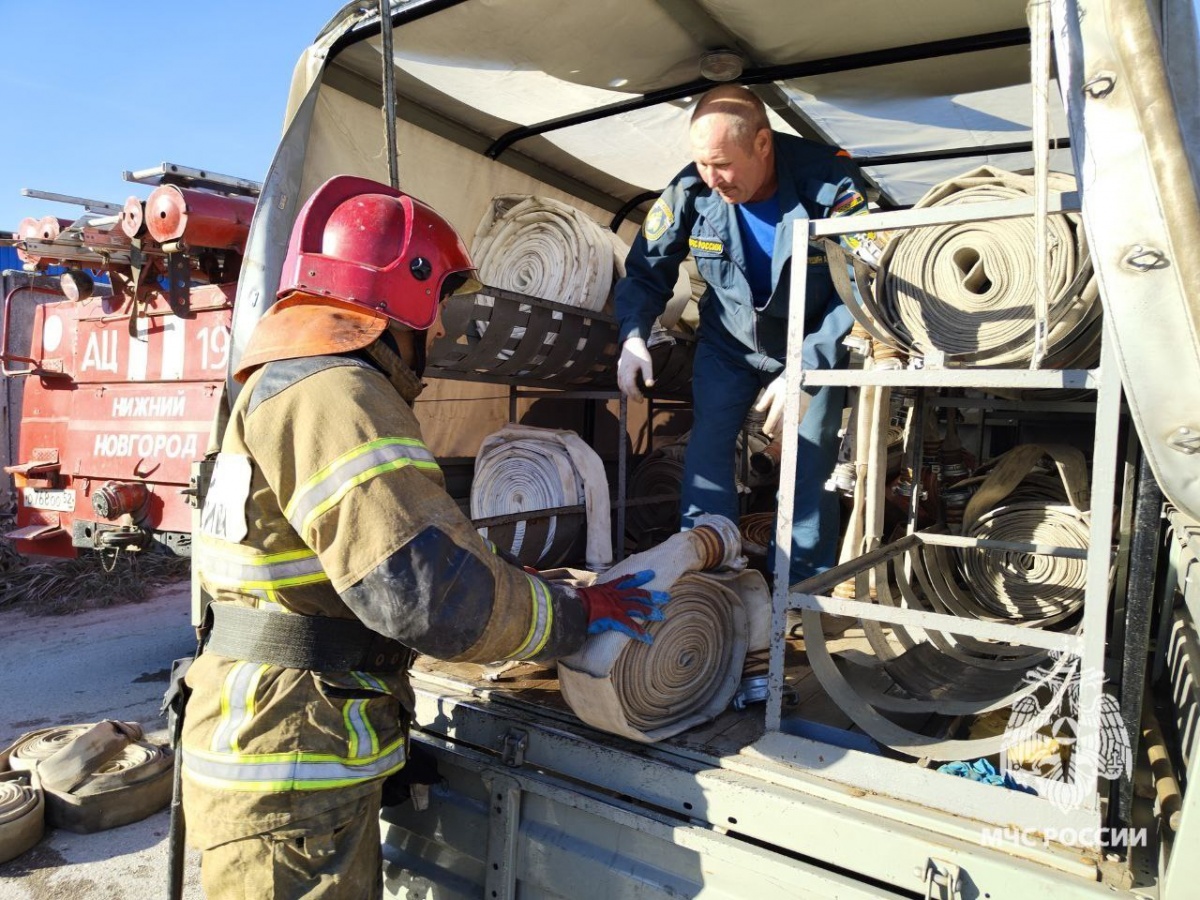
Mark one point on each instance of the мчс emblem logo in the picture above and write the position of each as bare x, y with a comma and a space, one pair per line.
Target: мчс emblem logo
658, 221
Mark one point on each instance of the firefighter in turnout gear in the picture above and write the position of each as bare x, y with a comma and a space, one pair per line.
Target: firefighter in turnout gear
331, 551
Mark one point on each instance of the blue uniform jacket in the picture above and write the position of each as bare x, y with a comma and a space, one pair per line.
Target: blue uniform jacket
815, 181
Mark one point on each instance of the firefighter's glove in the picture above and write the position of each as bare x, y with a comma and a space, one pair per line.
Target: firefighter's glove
624, 606
771, 402
634, 361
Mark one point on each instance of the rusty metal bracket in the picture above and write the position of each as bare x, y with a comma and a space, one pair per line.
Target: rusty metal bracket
178, 285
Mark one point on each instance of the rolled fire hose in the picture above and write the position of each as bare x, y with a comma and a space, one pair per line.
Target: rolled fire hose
660, 472
544, 248
648, 692
758, 530
523, 469
22, 815
536, 247
129, 787
968, 675
966, 290
100, 775
1033, 588
35, 747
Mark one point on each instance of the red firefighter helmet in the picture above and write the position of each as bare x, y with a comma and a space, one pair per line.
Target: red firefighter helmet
363, 243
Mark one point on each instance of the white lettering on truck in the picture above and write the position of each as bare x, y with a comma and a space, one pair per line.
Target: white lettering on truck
172, 446
148, 407
101, 352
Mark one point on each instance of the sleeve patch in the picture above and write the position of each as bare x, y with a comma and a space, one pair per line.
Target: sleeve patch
848, 203
842, 153
224, 513
658, 221
704, 246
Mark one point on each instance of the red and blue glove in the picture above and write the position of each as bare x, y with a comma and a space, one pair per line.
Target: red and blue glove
624, 606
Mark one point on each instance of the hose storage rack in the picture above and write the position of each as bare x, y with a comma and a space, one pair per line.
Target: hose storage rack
543, 348
505, 337
939, 654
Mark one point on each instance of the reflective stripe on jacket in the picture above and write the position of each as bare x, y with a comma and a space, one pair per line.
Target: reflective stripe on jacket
336, 508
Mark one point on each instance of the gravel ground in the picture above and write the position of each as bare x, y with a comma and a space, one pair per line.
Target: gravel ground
102, 664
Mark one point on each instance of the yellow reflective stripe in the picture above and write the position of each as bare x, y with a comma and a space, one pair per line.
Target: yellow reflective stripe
234, 567
250, 554
290, 771
325, 488
541, 620
357, 735
369, 681
237, 704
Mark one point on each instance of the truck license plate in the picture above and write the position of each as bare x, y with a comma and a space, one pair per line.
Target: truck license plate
43, 498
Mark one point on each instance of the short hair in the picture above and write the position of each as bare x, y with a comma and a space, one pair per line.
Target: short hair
746, 113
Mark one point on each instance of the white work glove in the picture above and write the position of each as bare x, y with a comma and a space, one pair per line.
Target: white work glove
771, 402
635, 358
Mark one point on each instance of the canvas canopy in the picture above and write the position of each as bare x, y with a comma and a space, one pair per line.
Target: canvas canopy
888, 81
588, 102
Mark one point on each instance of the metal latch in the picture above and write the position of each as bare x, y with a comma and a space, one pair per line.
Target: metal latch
513, 747
944, 877
1185, 440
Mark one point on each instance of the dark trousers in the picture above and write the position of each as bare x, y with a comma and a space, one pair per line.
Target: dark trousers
723, 389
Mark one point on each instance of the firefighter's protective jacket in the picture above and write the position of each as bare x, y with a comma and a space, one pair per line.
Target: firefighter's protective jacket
815, 181
326, 502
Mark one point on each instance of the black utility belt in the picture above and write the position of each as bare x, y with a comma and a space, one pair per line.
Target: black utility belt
292, 641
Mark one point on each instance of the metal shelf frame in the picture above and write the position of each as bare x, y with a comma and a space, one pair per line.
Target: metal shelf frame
622, 502
904, 779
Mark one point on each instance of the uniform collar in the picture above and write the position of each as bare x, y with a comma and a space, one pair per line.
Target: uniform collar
401, 377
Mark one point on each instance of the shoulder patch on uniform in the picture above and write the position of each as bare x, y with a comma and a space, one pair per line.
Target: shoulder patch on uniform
842, 152
658, 221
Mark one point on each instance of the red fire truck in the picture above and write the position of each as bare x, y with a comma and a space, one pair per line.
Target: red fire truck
122, 381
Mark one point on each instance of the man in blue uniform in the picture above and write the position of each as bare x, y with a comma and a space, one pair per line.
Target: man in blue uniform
733, 209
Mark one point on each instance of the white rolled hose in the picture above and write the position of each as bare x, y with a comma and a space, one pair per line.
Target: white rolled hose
546, 249
1035, 588
523, 469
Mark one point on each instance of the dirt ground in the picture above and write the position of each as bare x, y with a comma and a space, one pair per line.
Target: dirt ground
109, 663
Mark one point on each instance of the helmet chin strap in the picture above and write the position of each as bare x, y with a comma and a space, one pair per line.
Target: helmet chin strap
420, 353
404, 373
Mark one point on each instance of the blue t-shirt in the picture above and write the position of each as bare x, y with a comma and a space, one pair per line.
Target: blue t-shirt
758, 222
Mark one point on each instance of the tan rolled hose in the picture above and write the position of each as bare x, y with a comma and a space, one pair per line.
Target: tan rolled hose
1033, 588
22, 815
690, 673
116, 787
758, 529
132, 785
521, 469
967, 290
35, 746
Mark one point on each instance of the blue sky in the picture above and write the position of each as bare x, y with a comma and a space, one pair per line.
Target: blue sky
89, 89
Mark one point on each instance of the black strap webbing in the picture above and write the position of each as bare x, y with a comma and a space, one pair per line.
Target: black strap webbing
293, 641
